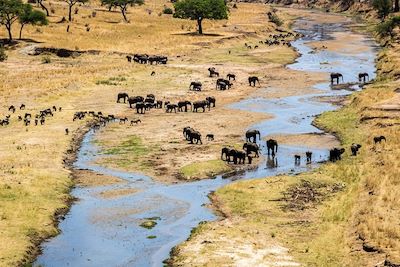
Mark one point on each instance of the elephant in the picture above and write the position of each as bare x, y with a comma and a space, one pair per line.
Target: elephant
251, 147
157, 59
141, 58
239, 157
309, 156
151, 96
273, 146
159, 104
123, 96
253, 134
354, 149
378, 139
336, 76
195, 136
336, 154
171, 107
225, 151
182, 105
213, 72
186, 132
223, 84
134, 100
211, 100
297, 159
230, 75
210, 137
195, 86
363, 77
140, 107
253, 80
150, 100
149, 106
201, 104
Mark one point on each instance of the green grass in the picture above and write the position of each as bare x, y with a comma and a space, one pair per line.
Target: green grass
204, 169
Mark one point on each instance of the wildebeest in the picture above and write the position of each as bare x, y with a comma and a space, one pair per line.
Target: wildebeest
378, 139
354, 149
135, 121
336, 154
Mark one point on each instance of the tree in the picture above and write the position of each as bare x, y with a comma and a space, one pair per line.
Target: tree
386, 28
201, 9
122, 5
71, 4
9, 12
383, 7
30, 16
40, 2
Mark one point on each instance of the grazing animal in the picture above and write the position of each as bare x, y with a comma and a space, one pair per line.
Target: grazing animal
336, 76
253, 80
134, 100
123, 120
140, 108
363, 77
171, 107
253, 134
183, 106
210, 137
225, 151
201, 104
211, 100
297, 159
378, 139
223, 84
12, 109
36, 122
251, 147
195, 86
123, 96
159, 104
59, 109
194, 136
354, 149
273, 146
66, 131
231, 76
22, 107
129, 58
153, 73
336, 154
135, 121
213, 72
308, 156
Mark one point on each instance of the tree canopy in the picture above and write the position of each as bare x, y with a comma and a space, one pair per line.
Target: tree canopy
201, 9
9, 12
122, 5
383, 7
30, 16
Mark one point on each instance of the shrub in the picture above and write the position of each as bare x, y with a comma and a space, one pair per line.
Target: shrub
168, 11
3, 55
386, 28
274, 19
383, 7
46, 60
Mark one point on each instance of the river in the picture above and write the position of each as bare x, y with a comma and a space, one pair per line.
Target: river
105, 232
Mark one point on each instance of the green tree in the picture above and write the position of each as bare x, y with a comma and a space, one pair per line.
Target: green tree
383, 7
201, 9
386, 28
30, 16
71, 4
9, 12
122, 5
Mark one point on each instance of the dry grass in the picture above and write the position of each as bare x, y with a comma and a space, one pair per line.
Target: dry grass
34, 183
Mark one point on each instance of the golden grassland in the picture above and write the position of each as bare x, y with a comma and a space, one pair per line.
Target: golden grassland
34, 182
358, 205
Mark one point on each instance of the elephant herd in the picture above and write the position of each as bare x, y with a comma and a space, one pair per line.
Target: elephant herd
336, 77
27, 118
142, 104
144, 59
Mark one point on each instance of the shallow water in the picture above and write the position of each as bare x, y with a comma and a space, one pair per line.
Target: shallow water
106, 232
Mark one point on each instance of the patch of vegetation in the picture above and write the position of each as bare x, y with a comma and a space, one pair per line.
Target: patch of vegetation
273, 17
387, 27
168, 11
151, 237
114, 81
46, 60
204, 169
148, 224
3, 55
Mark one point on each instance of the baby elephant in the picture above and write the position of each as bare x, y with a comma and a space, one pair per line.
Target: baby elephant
210, 137
354, 149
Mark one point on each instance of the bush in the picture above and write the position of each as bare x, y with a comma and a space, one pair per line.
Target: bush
383, 7
168, 11
3, 55
274, 19
386, 28
46, 60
